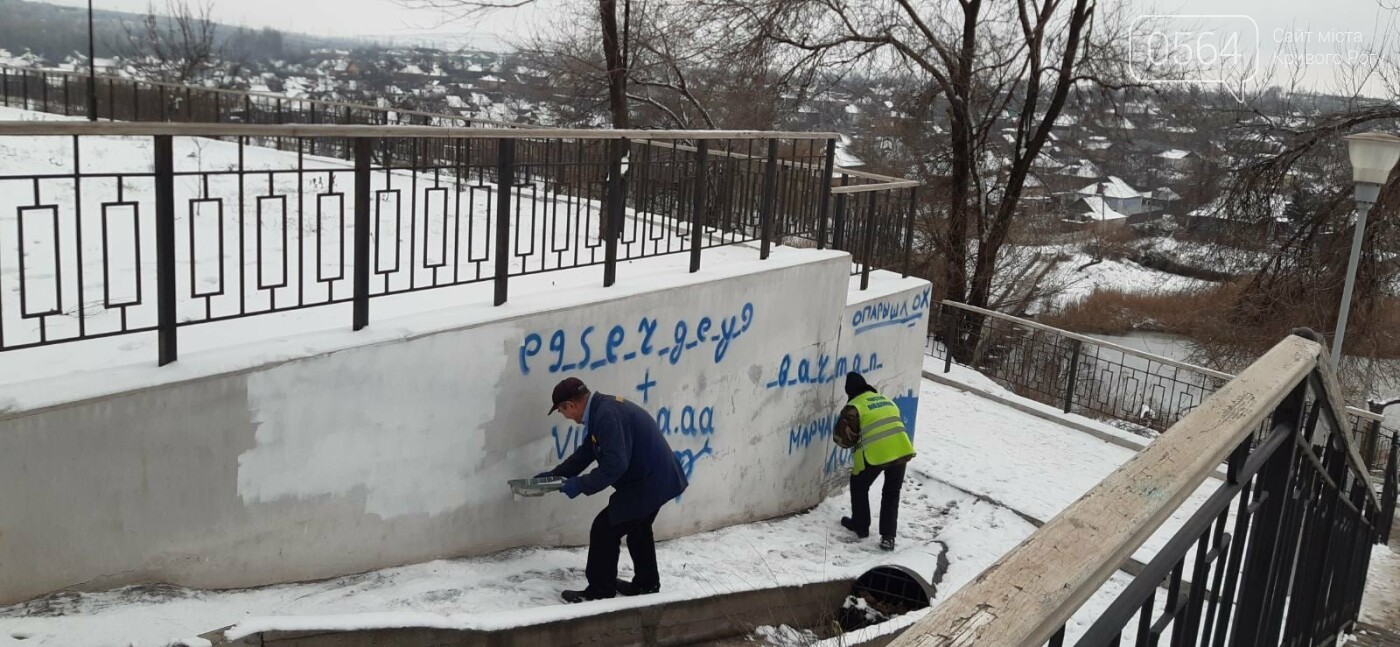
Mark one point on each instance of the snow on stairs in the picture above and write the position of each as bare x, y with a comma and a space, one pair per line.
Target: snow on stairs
1368, 635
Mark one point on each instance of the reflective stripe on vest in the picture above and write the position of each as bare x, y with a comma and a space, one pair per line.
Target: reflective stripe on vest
882, 434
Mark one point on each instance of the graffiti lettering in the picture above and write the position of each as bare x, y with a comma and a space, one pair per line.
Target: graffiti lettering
814, 371
891, 313
691, 421
802, 436
836, 459
573, 437
688, 458
686, 336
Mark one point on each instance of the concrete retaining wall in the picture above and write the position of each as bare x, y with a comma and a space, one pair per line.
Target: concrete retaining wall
397, 451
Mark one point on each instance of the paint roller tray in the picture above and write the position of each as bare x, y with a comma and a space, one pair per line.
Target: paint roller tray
536, 487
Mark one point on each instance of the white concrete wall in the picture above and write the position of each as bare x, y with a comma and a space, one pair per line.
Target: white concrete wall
883, 330
397, 450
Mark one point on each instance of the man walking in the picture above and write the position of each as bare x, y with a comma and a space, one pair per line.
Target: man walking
634, 458
871, 424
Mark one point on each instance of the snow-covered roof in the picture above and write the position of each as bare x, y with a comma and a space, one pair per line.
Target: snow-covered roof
1095, 208
1165, 194
1174, 154
1112, 187
852, 110
413, 69
490, 78
1082, 168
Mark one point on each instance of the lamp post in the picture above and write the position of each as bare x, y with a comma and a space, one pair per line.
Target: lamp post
1373, 155
92, 71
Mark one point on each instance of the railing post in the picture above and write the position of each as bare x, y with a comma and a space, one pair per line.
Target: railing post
1254, 620
909, 231
1075, 346
770, 196
362, 230
869, 243
838, 237
165, 248
826, 192
505, 185
1388, 490
697, 213
612, 225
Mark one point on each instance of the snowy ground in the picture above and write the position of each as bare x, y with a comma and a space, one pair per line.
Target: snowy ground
1122, 275
1380, 605
966, 444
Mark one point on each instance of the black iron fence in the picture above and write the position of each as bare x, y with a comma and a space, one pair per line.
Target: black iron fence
115, 228
1085, 375
1277, 555
124, 99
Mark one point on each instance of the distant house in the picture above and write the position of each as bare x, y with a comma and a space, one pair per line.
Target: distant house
1117, 195
1176, 159
1217, 218
1162, 199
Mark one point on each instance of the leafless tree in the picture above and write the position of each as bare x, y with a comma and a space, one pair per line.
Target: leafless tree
974, 67
176, 46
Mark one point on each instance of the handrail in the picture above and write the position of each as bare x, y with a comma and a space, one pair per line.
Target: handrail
1160, 359
1027, 596
121, 128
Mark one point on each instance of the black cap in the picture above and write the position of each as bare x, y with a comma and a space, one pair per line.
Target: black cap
568, 389
856, 385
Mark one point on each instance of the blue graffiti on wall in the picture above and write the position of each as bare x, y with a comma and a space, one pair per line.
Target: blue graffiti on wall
802, 436
587, 352
573, 437
836, 459
823, 370
891, 312
689, 458
688, 421
908, 410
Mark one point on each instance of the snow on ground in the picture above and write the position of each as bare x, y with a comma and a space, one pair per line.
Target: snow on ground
1123, 275
521, 586
966, 443
1380, 605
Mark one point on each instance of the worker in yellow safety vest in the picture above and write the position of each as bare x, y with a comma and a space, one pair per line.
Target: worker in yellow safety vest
870, 425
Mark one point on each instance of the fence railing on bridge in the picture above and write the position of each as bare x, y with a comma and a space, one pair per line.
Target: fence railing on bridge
113, 228
1082, 374
1277, 555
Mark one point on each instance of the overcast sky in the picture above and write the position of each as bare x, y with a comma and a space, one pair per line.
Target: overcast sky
1358, 24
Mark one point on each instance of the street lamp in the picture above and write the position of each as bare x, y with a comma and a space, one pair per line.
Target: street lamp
92, 71
1373, 155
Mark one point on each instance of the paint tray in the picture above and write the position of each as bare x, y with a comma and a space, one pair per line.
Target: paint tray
536, 487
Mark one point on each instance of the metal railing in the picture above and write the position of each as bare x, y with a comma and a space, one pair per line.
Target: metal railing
216, 228
1277, 555
125, 99
1082, 374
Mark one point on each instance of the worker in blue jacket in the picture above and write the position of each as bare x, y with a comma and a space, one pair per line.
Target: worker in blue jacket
635, 459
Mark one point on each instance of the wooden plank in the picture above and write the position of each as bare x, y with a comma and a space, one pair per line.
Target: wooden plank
1027, 595
138, 129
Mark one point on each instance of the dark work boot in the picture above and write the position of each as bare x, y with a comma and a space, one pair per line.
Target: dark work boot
626, 588
851, 526
887, 543
574, 597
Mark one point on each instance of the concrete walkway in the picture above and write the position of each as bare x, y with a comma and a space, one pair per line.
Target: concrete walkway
1380, 605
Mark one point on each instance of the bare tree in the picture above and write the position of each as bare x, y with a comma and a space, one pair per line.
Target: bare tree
177, 46
982, 65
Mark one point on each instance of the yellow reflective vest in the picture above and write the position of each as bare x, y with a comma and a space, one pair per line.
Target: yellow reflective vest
882, 435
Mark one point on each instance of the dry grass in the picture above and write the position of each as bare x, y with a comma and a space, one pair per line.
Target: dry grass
1212, 317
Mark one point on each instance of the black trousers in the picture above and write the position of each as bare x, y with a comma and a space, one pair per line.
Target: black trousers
889, 497
605, 546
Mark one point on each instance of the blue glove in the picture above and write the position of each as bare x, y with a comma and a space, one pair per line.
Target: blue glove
572, 488
544, 475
